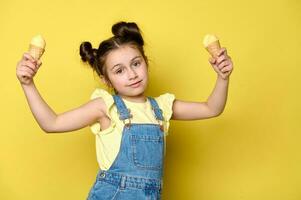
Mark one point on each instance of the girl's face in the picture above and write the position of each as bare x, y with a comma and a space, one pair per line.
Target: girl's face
127, 71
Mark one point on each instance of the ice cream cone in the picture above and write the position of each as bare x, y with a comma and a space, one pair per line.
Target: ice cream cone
213, 48
37, 47
36, 52
212, 45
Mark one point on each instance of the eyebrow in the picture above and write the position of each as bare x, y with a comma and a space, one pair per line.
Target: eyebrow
120, 63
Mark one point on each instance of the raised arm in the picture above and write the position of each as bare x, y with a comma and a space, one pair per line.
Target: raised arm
75, 119
213, 107
47, 119
215, 104
80, 117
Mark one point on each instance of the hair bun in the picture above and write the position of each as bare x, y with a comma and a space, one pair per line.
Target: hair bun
128, 31
87, 53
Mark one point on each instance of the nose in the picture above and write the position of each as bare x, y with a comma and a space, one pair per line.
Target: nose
132, 73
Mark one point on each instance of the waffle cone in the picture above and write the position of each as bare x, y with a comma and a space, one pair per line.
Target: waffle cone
213, 48
36, 52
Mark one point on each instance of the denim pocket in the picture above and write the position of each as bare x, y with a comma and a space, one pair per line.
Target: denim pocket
103, 190
148, 151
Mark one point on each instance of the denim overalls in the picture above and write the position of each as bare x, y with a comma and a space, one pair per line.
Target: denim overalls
137, 171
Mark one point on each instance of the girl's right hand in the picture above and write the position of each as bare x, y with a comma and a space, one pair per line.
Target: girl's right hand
27, 67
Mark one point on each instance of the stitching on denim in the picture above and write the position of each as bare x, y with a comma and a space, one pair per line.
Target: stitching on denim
115, 194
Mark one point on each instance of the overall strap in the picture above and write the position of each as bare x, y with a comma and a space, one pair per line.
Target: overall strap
121, 108
155, 107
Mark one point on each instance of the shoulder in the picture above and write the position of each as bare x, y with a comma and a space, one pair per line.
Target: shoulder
165, 99
104, 99
99, 92
165, 102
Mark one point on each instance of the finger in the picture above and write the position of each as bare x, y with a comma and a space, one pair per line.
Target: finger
212, 60
221, 59
27, 56
26, 68
30, 71
31, 65
225, 69
223, 64
216, 69
39, 63
222, 51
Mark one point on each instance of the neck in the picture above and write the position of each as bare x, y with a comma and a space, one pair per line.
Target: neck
137, 99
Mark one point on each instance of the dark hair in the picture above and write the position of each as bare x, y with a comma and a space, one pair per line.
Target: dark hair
124, 33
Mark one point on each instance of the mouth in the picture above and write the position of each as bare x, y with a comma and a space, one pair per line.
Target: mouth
135, 84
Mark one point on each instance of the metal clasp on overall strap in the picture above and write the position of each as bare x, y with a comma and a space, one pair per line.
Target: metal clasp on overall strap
128, 125
160, 122
161, 125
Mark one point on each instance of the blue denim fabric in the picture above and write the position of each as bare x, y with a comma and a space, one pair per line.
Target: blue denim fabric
137, 171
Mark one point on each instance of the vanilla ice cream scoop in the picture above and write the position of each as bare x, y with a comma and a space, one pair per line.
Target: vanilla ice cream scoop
211, 43
37, 47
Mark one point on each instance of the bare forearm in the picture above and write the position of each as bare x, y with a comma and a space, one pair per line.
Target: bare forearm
217, 100
43, 114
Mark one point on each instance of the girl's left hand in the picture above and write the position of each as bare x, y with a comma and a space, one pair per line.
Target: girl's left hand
222, 64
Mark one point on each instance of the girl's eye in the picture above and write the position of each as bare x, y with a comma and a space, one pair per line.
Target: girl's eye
136, 64
118, 71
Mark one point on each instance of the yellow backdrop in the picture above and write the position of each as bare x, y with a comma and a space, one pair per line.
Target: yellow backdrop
252, 151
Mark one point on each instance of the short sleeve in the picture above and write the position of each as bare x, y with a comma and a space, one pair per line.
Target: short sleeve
165, 102
109, 102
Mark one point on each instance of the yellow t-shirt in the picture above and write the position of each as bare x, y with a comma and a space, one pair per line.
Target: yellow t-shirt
108, 141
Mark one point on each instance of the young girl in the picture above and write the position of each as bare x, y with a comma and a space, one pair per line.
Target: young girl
130, 128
